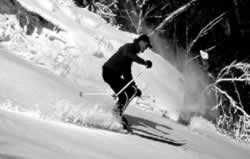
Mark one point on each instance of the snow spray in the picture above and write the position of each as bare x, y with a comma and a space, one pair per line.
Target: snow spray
196, 100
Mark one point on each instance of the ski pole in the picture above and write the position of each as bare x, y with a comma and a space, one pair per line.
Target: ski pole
94, 94
117, 94
113, 95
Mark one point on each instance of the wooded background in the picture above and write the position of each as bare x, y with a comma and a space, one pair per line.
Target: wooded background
225, 41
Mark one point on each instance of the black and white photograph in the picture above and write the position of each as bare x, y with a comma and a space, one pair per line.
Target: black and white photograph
124, 79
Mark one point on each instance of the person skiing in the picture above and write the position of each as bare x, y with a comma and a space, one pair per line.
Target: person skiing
116, 70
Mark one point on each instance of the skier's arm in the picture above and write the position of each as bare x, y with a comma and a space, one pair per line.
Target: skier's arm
129, 52
136, 59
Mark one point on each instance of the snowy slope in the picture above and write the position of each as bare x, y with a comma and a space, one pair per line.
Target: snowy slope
84, 25
89, 37
27, 137
31, 125
36, 89
30, 85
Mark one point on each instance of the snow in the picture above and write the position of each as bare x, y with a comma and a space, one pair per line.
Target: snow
24, 136
43, 116
74, 61
47, 4
200, 124
64, 141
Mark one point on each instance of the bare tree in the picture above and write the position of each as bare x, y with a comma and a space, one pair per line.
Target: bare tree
233, 117
204, 31
173, 15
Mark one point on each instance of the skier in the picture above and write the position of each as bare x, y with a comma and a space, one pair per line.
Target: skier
117, 70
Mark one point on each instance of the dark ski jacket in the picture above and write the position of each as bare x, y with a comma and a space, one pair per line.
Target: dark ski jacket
121, 61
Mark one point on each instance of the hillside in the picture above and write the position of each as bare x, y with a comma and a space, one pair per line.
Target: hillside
43, 70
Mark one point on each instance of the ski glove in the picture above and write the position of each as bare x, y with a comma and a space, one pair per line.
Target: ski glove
148, 64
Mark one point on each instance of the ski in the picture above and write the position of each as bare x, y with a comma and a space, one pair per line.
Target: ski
151, 136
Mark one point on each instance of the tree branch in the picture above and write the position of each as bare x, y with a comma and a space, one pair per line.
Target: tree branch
234, 119
204, 30
173, 15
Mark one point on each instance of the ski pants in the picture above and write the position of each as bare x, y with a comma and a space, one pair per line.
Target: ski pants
116, 82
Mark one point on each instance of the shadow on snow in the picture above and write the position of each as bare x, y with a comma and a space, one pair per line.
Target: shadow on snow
150, 135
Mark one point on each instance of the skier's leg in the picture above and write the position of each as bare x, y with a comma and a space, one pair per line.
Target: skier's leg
116, 83
113, 79
131, 91
130, 94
